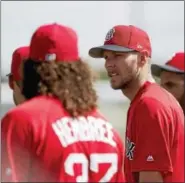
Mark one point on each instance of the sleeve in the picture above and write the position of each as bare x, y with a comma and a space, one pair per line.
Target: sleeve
152, 132
15, 149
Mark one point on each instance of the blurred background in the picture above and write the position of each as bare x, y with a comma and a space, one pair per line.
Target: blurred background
163, 20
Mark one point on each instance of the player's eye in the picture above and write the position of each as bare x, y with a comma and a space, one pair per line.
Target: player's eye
106, 57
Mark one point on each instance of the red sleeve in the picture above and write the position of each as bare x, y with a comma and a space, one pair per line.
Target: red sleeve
15, 148
152, 132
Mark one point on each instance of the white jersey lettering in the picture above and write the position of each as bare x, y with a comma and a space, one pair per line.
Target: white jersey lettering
70, 130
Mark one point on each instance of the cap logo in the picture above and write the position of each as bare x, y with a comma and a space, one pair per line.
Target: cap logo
50, 57
139, 46
110, 34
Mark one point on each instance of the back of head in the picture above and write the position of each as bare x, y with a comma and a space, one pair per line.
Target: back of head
54, 68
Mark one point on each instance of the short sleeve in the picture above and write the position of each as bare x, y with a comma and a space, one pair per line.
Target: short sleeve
16, 143
153, 133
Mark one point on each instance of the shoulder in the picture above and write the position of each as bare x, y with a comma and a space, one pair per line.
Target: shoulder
19, 113
37, 106
150, 104
30, 115
150, 111
152, 108
16, 125
156, 99
159, 96
25, 112
15, 117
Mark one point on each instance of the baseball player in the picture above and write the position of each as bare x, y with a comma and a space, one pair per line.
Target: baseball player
58, 135
155, 121
172, 76
14, 77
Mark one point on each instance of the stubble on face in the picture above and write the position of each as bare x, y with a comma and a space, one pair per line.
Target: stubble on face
121, 83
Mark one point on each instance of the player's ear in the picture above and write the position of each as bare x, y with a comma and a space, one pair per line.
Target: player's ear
143, 57
16, 86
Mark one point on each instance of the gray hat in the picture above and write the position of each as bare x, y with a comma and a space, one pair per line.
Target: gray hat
97, 52
156, 69
176, 64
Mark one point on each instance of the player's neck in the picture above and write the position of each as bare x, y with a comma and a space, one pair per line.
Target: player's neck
135, 86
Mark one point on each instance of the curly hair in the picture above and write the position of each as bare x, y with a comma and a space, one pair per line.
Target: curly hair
70, 82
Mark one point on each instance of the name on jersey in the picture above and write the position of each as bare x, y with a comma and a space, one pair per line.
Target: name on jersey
72, 130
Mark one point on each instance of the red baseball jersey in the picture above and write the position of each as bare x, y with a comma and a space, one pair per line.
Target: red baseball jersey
42, 143
155, 135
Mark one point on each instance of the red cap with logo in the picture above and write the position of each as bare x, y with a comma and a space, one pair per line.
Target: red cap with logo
54, 42
175, 64
123, 38
18, 56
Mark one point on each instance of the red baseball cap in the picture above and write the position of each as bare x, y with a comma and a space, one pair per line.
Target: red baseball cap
54, 42
18, 56
175, 64
123, 38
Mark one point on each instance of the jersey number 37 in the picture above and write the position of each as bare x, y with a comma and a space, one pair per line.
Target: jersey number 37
93, 164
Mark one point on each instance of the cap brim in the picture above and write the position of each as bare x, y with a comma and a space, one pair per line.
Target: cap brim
97, 52
156, 69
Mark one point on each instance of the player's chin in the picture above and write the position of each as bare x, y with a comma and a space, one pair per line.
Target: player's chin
116, 85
